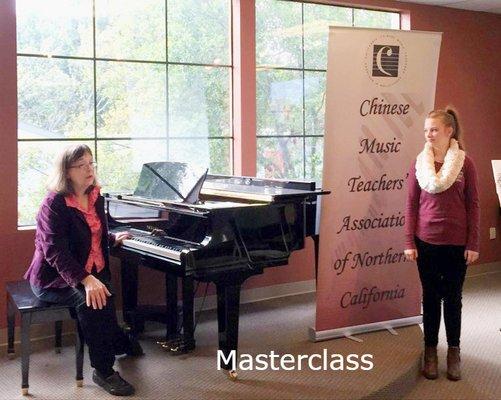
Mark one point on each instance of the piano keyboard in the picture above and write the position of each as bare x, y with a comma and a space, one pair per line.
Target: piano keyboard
155, 245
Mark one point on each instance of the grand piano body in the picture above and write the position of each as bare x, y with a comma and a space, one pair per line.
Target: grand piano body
237, 228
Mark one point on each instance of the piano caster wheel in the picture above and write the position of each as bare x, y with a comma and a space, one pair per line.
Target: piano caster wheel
24, 391
11, 356
79, 382
232, 375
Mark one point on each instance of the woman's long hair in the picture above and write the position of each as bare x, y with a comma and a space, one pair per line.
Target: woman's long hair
449, 117
58, 180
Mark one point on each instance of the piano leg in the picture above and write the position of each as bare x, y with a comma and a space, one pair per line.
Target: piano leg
171, 302
129, 280
188, 309
228, 303
180, 344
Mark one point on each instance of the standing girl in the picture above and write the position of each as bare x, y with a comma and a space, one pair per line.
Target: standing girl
442, 232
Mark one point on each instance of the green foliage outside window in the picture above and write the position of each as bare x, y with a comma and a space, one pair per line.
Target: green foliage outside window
132, 92
291, 57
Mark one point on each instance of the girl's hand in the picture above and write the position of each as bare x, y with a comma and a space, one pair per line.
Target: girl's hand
411, 254
470, 256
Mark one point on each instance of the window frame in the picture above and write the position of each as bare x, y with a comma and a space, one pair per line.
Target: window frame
304, 70
167, 137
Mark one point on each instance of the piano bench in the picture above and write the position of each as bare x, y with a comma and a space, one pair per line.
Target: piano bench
20, 298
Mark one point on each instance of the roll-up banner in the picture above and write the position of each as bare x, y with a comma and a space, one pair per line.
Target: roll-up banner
380, 87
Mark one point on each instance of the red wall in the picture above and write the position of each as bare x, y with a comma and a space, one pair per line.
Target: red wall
468, 77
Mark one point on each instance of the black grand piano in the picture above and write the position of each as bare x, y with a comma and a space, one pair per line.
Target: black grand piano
206, 228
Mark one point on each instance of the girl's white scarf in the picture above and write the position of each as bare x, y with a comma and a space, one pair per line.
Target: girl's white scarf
433, 182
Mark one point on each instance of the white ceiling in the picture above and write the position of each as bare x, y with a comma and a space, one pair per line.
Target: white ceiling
492, 6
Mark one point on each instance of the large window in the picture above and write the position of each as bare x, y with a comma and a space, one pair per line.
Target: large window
291, 59
137, 81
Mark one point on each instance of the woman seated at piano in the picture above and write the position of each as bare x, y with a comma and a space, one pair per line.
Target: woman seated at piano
70, 265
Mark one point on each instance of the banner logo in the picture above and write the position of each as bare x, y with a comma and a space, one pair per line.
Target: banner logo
385, 60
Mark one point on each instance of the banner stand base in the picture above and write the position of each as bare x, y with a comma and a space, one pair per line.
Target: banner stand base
392, 331
354, 338
349, 331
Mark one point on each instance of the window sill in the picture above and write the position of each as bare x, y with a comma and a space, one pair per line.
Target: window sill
26, 228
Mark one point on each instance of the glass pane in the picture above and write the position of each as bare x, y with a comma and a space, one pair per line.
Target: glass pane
220, 151
314, 148
35, 165
120, 161
131, 99
395, 21
56, 27
280, 158
317, 19
199, 101
55, 98
199, 31
279, 102
130, 29
203, 153
278, 33
314, 103
376, 19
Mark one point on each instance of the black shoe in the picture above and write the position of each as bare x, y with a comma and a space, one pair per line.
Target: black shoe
114, 384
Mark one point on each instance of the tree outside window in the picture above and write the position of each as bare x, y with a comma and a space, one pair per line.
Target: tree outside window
291, 58
138, 81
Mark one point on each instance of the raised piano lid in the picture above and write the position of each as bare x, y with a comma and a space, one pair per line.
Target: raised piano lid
229, 192
256, 189
216, 205
201, 209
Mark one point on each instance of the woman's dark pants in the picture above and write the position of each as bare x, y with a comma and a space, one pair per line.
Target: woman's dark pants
99, 327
